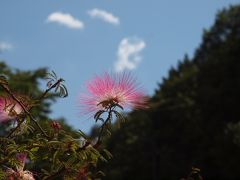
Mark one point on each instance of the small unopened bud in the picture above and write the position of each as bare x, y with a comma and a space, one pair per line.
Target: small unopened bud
21, 157
56, 125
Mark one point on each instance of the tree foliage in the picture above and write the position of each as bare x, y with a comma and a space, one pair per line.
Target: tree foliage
54, 150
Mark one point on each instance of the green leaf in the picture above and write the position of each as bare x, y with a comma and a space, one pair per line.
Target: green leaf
65, 90
118, 105
54, 74
119, 116
35, 149
81, 133
100, 173
69, 162
98, 114
108, 154
108, 132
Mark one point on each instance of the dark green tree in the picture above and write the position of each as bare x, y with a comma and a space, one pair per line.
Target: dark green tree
193, 119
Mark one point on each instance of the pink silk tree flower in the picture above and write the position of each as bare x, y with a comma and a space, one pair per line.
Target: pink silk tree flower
8, 109
20, 173
110, 90
21, 157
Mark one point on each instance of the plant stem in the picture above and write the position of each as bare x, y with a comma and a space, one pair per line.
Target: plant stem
27, 111
6, 88
49, 89
104, 124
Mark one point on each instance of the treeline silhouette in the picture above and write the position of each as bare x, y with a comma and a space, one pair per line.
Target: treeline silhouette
194, 115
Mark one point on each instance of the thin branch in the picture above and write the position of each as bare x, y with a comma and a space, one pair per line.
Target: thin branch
49, 89
5, 87
96, 145
104, 124
27, 111
12, 131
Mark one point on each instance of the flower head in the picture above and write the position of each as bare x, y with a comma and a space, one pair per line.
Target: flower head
110, 90
20, 173
23, 175
8, 109
55, 125
21, 157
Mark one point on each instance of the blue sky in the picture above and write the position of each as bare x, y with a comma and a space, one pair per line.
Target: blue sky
80, 38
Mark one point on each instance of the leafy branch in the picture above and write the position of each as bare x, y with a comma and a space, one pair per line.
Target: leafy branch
57, 85
7, 90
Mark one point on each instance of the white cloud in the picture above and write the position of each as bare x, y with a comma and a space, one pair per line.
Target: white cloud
5, 46
129, 54
65, 19
104, 15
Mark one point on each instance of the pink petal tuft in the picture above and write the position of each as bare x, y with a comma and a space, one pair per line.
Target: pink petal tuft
122, 88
